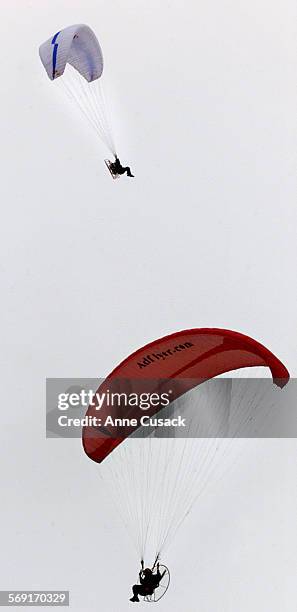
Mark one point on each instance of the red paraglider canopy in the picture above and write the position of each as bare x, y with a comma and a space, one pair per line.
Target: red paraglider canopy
194, 355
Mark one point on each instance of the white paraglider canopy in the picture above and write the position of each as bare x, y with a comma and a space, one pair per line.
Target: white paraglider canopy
73, 56
76, 45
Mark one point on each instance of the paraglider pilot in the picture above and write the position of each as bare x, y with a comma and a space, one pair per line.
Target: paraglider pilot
117, 168
148, 582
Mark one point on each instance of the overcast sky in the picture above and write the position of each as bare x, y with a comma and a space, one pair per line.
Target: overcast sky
203, 103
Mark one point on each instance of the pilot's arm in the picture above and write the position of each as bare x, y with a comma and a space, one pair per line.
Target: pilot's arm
159, 576
140, 573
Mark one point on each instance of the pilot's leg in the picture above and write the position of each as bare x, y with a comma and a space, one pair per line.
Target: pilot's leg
137, 589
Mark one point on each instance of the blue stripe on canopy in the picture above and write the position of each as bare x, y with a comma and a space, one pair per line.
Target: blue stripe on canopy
55, 52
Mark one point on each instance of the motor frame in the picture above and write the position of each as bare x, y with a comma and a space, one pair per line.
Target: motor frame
159, 591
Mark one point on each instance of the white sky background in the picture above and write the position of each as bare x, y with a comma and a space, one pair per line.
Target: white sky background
203, 101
